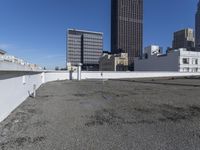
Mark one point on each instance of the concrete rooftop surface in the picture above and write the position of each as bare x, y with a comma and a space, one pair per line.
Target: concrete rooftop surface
145, 114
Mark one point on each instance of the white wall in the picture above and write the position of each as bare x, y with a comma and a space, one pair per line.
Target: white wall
123, 75
14, 90
17, 67
12, 66
158, 63
189, 55
53, 76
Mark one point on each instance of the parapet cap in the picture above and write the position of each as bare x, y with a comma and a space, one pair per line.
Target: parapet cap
85, 31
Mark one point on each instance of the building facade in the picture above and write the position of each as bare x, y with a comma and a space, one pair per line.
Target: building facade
84, 47
114, 62
184, 39
127, 28
180, 60
197, 28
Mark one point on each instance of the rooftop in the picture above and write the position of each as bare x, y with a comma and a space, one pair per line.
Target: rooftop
2, 52
115, 114
85, 31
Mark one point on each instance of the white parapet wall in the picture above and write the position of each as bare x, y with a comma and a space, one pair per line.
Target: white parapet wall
123, 75
15, 90
58, 75
16, 86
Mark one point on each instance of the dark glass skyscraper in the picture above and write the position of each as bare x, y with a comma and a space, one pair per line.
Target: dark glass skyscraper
197, 29
127, 27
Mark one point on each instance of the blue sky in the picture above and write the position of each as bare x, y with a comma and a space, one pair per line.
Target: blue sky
35, 30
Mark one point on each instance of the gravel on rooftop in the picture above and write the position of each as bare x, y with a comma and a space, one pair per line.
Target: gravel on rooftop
145, 114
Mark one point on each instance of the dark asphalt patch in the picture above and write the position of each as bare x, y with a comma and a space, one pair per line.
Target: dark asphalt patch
160, 82
168, 113
103, 117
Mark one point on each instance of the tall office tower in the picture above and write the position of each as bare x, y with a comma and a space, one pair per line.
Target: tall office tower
197, 28
84, 47
127, 28
184, 39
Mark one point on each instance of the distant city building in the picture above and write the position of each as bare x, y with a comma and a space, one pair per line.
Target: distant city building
2, 52
127, 28
153, 49
179, 60
184, 39
8, 62
197, 29
84, 47
114, 62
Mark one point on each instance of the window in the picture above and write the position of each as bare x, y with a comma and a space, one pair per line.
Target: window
146, 56
195, 61
185, 60
186, 69
194, 70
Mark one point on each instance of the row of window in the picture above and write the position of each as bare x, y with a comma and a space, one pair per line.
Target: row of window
93, 37
94, 43
191, 69
74, 47
74, 41
85, 55
93, 49
194, 61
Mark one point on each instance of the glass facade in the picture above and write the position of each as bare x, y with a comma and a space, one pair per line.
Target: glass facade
84, 47
127, 27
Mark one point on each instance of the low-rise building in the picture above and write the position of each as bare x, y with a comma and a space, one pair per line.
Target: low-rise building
179, 60
2, 52
153, 49
114, 62
9, 62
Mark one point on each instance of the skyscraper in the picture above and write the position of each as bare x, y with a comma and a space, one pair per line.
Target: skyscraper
184, 39
197, 28
84, 47
127, 28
